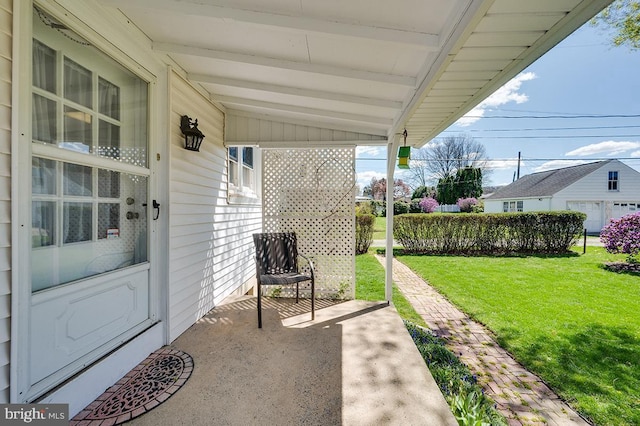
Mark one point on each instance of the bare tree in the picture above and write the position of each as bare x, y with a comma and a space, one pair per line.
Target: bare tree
443, 157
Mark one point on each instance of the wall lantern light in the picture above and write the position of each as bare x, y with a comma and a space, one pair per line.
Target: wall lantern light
404, 153
192, 135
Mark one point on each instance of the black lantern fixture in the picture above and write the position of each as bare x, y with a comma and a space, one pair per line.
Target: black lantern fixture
192, 135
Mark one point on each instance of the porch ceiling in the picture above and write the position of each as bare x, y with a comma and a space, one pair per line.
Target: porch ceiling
373, 67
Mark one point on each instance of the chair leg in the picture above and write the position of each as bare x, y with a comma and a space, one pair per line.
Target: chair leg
313, 299
259, 306
297, 292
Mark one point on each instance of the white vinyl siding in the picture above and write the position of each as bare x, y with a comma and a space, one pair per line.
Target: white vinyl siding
5, 195
595, 185
211, 247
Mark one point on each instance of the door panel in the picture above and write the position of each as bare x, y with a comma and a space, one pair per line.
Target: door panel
71, 321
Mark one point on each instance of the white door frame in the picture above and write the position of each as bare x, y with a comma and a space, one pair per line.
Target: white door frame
87, 20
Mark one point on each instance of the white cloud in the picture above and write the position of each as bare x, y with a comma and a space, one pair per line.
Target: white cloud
364, 178
635, 154
371, 151
609, 148
508, 163
558, 164
504, 95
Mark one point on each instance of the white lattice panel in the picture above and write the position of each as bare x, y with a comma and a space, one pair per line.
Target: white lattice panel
312, 192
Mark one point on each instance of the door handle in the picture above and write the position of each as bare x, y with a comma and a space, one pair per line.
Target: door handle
156, 207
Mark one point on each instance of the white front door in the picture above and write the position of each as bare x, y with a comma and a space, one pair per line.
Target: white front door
90, 207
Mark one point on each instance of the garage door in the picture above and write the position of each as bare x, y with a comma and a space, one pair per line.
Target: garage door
622, 209
593, 210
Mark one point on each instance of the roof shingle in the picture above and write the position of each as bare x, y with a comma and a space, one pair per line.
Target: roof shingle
545, 184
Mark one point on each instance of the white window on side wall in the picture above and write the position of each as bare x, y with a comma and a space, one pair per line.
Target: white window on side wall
512, 206
243, 173
613, 183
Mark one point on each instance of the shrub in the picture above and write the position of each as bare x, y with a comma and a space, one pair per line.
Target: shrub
365, 207
400, 207
623, 236
364, 232
499, 233
379, 208
478, 208
414, 207
466, 204
428, 205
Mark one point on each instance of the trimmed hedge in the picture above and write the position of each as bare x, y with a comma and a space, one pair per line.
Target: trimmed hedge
364, 232
498, 233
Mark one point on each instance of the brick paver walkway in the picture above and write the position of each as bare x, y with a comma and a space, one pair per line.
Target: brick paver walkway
521, 396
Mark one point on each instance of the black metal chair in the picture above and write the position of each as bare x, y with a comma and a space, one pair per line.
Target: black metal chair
277, 264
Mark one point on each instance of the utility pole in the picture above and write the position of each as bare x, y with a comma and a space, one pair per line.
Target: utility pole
518, 165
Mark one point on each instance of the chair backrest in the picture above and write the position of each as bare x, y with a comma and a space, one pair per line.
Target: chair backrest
276, 252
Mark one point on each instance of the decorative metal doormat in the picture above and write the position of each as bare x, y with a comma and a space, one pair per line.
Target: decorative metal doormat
145, 387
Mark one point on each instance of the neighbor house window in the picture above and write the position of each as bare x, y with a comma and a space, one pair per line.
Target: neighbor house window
613, 181
242, 172
512, 206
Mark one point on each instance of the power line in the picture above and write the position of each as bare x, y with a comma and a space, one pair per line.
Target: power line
546, 117
558, 137
544, 129
513, 159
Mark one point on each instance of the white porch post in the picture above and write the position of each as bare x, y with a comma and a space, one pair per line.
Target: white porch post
392, 149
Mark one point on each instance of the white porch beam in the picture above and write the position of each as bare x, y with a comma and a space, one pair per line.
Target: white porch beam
281, 22
400, 80
294, 91
392, 150
370, 120
328, 124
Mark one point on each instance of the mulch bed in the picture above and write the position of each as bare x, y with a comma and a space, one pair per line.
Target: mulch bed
623, 267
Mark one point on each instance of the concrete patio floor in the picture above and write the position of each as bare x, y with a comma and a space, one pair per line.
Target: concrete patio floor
355, 364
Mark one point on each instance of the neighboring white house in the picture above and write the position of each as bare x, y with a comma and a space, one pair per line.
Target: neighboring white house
604, 190
114, 239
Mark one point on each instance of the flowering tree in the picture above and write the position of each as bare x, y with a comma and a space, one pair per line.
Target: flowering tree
466, 204
623, 236
428, 205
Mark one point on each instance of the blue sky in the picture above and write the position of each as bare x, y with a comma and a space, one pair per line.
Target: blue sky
583, 75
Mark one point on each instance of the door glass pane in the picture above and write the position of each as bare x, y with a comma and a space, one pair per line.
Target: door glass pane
77, 180
77, 83
43, 220
88, 218
78, 133
108, 140
109, 99
44, 125
44, 67
77, 219
117, 242
108, 220
43, 176
108, 184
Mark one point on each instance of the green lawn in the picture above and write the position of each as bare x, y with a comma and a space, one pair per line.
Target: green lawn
370, 286
565, 318
379, 228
